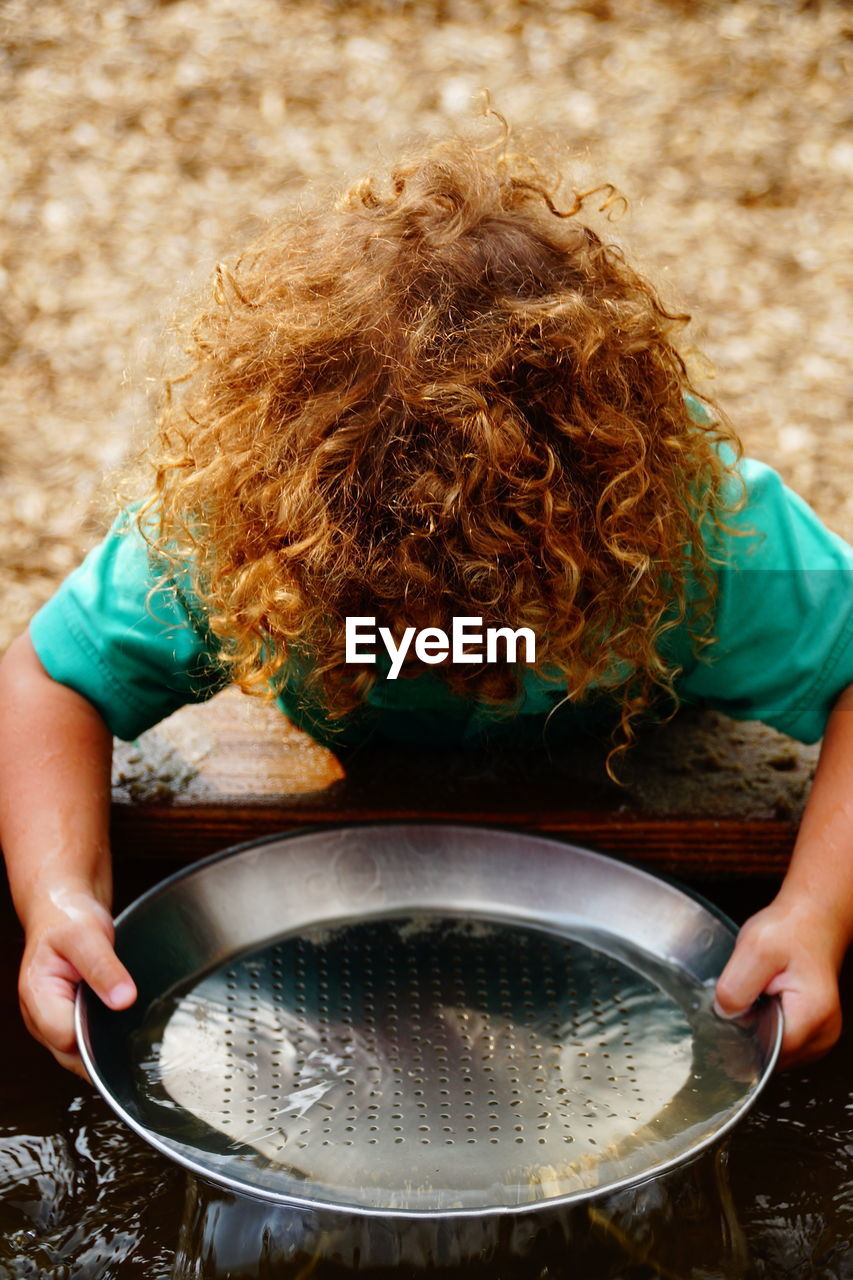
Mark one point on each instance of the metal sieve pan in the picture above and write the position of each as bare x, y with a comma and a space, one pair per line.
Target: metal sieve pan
423, 1021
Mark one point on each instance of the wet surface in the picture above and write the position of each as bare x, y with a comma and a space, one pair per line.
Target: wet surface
440, 1064
82, 1199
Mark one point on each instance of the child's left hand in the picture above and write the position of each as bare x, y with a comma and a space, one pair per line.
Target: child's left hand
792, 950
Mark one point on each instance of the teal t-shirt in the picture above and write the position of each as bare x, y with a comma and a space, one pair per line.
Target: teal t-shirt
783, 651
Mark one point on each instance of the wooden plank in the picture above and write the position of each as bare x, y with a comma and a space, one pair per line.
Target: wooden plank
706, 849
235, 770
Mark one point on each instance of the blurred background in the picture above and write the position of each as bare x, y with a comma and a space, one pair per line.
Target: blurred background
143, 141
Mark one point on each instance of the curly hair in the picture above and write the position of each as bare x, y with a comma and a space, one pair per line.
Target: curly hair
441, 395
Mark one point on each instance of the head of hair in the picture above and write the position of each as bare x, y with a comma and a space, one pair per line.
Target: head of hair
441, 394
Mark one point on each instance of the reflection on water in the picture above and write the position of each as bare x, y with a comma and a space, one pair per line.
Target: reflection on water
635, 1234
83, 1199
80, 1199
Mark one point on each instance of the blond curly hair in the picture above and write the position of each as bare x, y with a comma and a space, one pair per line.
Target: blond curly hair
441, 395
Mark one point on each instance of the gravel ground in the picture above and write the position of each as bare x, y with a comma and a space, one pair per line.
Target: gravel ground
142, 141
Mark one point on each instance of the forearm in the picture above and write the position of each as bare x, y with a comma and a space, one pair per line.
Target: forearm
55, 753
821, 868
795, 946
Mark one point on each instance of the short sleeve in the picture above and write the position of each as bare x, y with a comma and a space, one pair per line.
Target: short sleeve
125, 636
783, 615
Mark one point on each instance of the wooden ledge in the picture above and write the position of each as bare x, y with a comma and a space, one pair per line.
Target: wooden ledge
704, 797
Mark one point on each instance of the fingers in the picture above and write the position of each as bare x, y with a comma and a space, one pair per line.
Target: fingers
71, 1061
774, 955
48, 1008
812, 1023
57, 957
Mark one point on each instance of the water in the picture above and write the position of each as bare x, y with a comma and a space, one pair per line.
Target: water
78, 1199
82, 1199
434, 1064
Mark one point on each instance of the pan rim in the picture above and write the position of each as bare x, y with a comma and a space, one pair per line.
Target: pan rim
337, 1208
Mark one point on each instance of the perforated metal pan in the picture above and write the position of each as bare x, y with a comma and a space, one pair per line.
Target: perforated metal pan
425, 1021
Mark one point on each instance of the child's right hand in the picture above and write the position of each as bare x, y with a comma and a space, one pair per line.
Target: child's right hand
69, 937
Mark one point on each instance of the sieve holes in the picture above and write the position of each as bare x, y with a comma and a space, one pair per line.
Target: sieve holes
502, 1064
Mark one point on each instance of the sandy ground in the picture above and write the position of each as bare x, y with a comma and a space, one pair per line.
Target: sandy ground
142, 141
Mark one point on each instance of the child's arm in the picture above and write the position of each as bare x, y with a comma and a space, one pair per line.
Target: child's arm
794, 947
55, 753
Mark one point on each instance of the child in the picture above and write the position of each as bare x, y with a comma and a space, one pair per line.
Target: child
443, 398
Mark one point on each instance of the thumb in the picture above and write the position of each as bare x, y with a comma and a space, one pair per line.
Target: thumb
91, 952
745, 977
